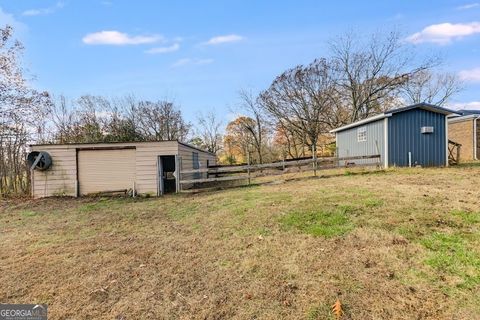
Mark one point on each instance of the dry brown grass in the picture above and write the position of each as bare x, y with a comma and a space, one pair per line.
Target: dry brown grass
404, 245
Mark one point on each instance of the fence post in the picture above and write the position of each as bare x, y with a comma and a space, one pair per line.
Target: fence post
32, 186
248, 166
178, 167
337, 162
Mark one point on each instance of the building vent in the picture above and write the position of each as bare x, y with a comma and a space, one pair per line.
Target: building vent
427, 130
39, 160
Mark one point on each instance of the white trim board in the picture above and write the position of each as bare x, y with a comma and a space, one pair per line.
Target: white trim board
446, 141
385, 142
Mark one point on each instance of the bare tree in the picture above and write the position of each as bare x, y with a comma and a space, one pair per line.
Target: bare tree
434, 88
162, 120
64, 121
93, 114
258, 128
98, 119
21, 111
83, 120
209, 131
239, 140
371, 74
289, 141
122, 122
300, 100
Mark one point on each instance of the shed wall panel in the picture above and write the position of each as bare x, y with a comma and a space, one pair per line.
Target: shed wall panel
60, 179
185, 153
349, 146
147, 171
404, 136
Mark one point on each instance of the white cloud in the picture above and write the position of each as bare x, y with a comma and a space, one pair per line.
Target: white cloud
37, 12
472, 105
472, 75
43, 11
398, 16
117, 38
189, 61
468, 6
182, 62
224, 39
8, 19
444, 33
174, 47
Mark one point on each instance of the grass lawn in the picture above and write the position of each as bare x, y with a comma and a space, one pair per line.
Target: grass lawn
400, 244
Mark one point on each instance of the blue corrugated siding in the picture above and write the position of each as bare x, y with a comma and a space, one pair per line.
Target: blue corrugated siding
404, 135
348, 146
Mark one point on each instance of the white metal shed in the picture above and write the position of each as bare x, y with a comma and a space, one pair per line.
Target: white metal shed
145, 167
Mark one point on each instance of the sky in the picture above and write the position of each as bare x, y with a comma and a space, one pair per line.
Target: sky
201, 53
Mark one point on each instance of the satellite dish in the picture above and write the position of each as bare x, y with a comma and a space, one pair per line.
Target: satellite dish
39, 160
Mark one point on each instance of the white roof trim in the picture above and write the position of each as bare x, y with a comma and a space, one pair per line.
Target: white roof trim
463, 118
364, 121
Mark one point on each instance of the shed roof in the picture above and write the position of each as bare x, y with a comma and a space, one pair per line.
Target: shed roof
120, 142
467, 112
389, 113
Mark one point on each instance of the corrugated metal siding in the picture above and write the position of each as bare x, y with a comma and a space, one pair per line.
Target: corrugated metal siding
404, 135
60, 179
348, 146
186, 154
147, 171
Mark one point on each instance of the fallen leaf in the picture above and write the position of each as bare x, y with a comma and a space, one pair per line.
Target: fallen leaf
337, 309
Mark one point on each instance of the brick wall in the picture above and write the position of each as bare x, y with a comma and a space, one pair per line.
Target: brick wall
462, 132
478, 138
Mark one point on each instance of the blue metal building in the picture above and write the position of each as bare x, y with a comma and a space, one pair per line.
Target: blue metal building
408, 136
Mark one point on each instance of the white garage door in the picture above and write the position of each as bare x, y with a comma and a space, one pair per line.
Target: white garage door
105, 170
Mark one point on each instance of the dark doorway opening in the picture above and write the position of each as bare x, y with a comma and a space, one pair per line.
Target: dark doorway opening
166, 175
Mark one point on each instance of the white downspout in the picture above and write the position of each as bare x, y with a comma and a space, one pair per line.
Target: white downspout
385, 143
337, 163
446, 141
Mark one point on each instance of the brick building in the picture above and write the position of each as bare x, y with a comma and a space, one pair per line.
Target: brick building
465, 130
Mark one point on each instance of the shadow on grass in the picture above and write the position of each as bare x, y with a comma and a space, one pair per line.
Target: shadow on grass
285, 179
474, 164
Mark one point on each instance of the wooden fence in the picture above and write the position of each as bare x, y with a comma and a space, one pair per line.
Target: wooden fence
245, 172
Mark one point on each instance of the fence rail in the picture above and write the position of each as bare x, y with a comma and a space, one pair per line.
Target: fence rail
246, 170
